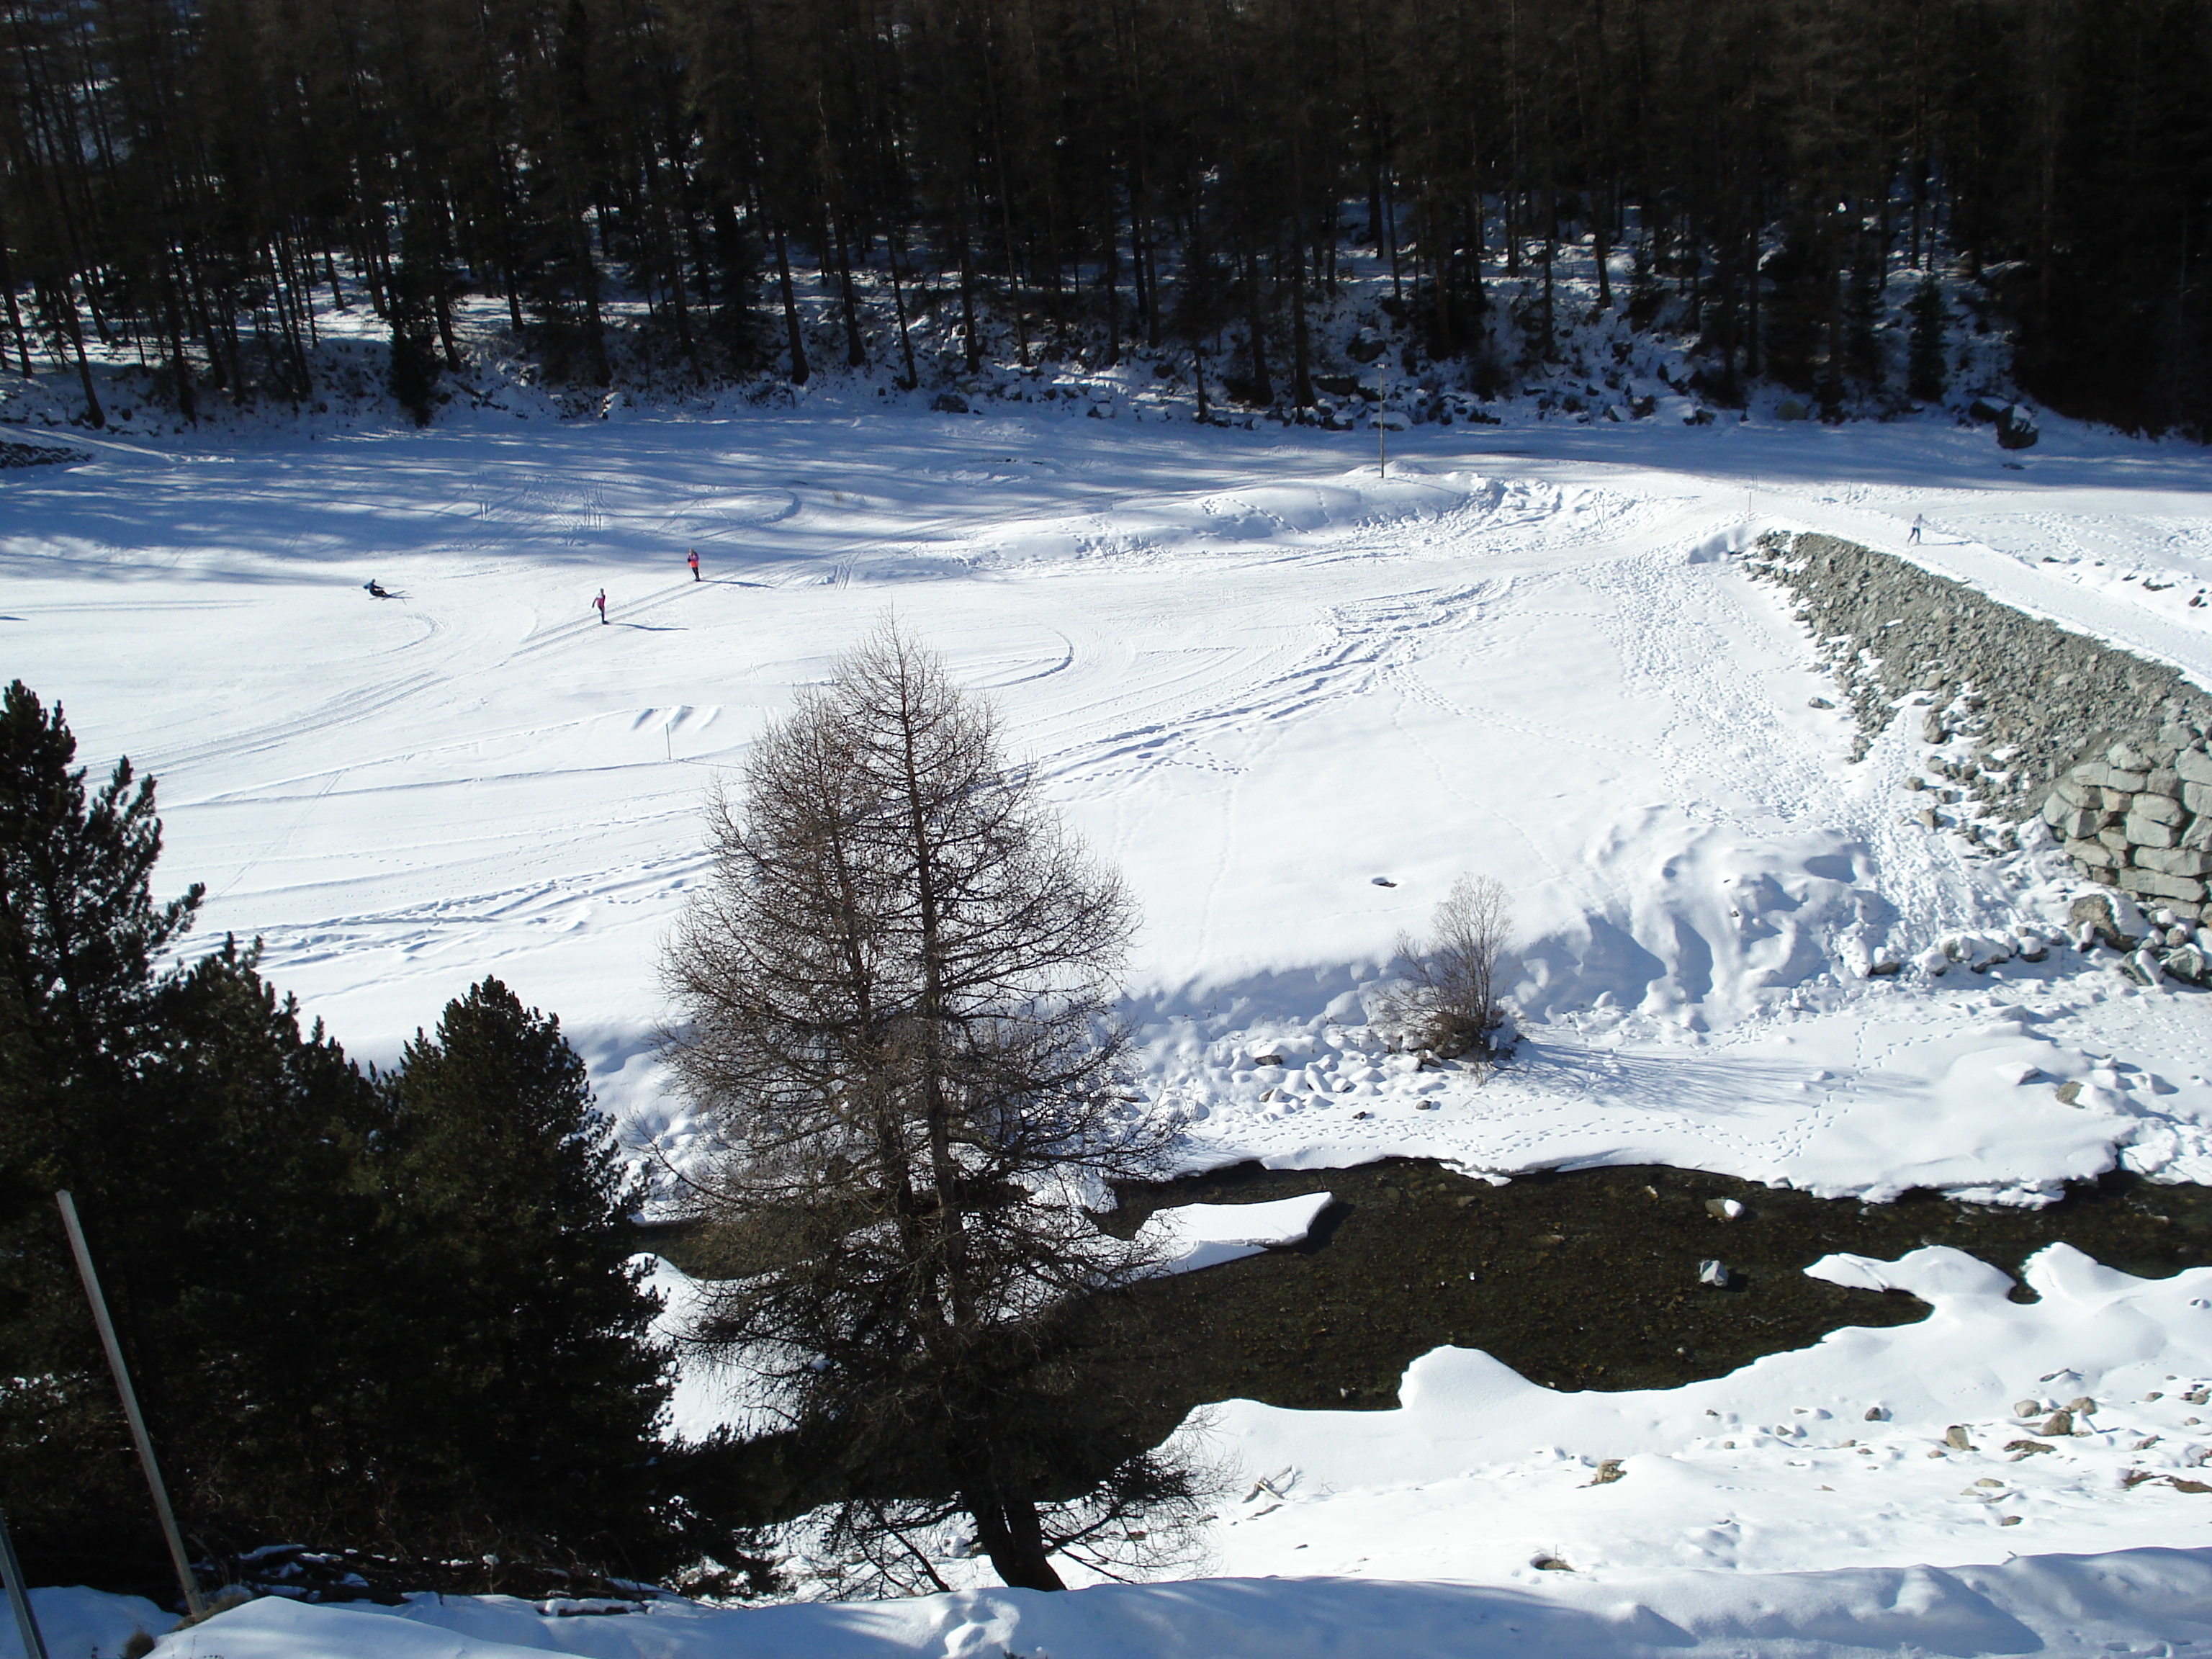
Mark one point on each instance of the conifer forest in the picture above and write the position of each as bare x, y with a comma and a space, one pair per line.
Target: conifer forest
193, 178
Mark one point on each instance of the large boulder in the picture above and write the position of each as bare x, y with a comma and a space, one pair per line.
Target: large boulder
2092, 914
2015, 430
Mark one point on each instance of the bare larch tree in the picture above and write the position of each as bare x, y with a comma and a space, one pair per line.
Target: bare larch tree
895, 1003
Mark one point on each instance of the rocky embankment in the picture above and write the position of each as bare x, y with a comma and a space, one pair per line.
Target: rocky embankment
2027, 719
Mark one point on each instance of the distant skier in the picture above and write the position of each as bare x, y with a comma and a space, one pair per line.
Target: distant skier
601, 602
694, 562
1918, 519
376, 590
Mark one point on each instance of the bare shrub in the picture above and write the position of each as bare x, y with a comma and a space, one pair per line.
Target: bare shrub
1446, 1000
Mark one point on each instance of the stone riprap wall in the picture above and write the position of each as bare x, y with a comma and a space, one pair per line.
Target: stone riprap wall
2108, 748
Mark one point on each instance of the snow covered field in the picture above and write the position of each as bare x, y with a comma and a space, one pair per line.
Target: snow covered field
1255, 674
1266, 681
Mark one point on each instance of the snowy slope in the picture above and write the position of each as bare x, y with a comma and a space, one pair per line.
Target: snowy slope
1254, 673
1260, 678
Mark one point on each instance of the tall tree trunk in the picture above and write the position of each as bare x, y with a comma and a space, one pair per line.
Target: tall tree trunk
1006, 1527
181, 365
1601, 222
798, 369
973, 342
1550, 252
1113, 281
833, 241
1752, 281
15, 315
1263, 388
898, 306
94, 414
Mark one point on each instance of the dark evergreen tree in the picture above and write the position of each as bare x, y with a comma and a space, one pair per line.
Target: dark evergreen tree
396, 1312
80, 1025
531, 1389
414, 375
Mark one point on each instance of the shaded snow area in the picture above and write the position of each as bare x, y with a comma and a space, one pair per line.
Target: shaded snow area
1292, 700
2150, 1601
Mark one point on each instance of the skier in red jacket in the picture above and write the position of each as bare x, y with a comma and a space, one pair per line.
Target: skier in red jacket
694, 562
601, 602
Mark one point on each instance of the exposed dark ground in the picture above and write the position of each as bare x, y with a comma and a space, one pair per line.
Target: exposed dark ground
1586, 1279
1577, 1281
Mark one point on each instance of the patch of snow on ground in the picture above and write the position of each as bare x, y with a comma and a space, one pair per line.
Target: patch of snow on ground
76, 1623
1189, 1237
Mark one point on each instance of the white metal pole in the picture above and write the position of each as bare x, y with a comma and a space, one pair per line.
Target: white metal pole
18, 1596
138, 1436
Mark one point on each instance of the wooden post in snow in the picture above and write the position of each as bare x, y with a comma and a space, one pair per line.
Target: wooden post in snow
138, 1436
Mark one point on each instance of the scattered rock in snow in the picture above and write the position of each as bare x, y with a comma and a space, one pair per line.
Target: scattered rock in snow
2092, 917
21, 454
1955, 1437
1716, 1274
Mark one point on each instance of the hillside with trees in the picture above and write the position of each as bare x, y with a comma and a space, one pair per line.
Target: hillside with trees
193, 184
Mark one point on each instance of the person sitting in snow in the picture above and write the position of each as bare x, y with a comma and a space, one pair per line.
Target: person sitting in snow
376, 590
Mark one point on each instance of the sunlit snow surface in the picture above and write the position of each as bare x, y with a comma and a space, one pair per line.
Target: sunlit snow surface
2146, 1602
1254, 675
1257, 677
1185, 1237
